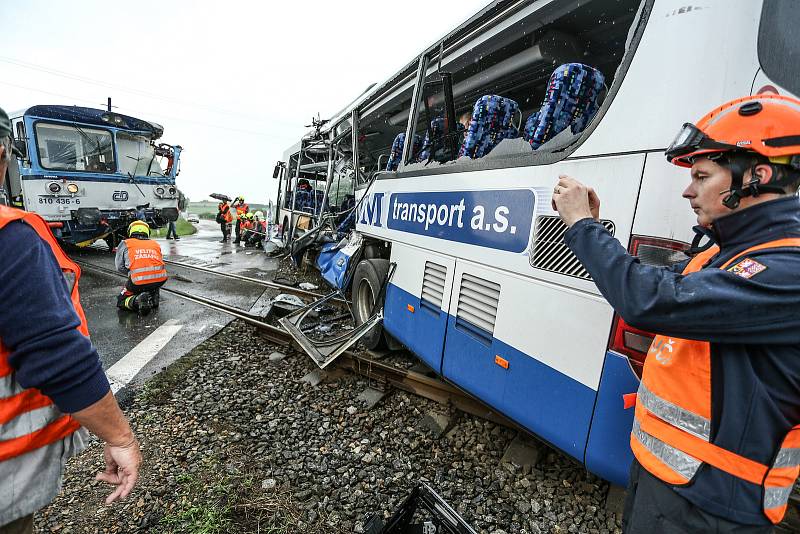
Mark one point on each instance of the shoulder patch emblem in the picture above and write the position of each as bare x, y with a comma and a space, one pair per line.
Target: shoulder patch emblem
747, 268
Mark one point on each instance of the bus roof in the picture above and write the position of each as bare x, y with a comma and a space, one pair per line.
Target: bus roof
99, 117
496, 10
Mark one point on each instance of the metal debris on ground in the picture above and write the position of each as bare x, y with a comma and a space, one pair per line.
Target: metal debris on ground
422, 504
308, 286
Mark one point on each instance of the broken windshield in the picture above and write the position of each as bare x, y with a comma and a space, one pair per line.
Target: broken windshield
137, 155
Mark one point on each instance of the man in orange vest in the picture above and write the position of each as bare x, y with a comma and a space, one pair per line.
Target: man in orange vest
140, 258
224, 218
716, 432
52, 385
241, 212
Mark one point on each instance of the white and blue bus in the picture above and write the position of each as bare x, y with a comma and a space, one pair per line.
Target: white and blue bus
90, 172
457, 156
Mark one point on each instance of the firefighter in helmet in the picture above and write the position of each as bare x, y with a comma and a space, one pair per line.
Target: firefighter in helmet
140, 258
716, 429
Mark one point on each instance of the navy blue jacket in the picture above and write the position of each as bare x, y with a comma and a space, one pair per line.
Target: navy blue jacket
753, 325
38, 324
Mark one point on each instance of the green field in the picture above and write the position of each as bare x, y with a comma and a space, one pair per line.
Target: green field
181, 225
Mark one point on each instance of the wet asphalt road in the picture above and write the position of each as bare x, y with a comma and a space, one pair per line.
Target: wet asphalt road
115, 332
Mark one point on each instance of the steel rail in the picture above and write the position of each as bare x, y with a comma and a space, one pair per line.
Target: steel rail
275, 333
410, 381
265, 283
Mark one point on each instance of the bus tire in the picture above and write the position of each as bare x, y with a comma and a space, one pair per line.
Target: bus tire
368, 279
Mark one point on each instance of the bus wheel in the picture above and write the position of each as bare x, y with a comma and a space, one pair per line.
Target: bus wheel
367, 298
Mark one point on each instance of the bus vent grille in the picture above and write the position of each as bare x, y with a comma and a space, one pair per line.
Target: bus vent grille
433, 286
550, 253
477, 306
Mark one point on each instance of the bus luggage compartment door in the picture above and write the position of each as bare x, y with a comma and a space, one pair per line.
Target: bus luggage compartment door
417, 301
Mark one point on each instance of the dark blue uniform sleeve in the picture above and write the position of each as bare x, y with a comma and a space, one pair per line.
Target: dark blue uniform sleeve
38, 324
711, 305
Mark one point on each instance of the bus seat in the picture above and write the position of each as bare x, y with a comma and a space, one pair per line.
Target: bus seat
435, 136
304, 201
396, 155
436, 129
492, 121
572, 99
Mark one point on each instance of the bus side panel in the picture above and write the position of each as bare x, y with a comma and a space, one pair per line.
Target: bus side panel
418, 325
549, 393
608, 453
660, 212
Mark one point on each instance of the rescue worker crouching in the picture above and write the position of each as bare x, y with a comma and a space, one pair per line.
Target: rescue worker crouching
241, 212
716, 432
140, 258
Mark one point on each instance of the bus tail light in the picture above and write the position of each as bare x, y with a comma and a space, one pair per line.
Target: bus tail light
632, 342
625, 339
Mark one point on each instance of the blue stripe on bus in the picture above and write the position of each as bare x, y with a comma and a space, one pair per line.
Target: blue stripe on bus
543, 400
608, 453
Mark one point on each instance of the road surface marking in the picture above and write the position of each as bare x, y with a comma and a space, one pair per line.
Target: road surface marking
123, 371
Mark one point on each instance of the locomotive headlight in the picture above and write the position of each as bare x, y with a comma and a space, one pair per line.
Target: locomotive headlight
72, 188
171, 190
54, 187
159, 190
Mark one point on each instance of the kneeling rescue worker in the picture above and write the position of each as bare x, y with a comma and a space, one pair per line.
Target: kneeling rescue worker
716, 432
140, 258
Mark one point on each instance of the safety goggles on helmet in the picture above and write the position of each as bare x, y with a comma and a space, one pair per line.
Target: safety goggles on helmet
691, 141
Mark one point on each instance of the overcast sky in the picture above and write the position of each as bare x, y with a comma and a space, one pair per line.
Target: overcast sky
233, 82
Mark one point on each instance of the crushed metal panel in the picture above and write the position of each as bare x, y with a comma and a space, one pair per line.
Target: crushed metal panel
324, 352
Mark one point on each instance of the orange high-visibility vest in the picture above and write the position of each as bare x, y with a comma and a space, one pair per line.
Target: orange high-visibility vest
226, 213
242, 209
671, 435
19, 432
147, 265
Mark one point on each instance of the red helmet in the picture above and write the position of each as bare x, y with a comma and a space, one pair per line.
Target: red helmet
766, 124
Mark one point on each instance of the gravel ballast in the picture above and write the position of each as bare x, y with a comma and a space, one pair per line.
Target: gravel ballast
234, 441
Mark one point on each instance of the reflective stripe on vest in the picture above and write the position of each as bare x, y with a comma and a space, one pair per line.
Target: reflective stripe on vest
146, 263
28, 419
672, 426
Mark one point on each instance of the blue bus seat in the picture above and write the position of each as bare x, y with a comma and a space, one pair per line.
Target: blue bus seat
492, 121
572, 99
396, 154
304, 201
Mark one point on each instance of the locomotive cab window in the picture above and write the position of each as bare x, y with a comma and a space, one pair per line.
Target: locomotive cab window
531, 87
74, 148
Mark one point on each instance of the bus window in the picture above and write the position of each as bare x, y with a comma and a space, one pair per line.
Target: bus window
342, 191
533, 87
74, 148
777, 46
381, 133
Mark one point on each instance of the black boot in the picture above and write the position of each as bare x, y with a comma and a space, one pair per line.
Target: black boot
144, 304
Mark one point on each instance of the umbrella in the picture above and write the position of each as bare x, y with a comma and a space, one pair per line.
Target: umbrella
219, 196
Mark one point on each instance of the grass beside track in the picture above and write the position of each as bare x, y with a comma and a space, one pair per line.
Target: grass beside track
181, 225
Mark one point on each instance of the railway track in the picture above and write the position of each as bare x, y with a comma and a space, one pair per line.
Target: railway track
380, 374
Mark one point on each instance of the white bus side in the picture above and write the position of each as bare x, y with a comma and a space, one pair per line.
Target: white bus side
485, 292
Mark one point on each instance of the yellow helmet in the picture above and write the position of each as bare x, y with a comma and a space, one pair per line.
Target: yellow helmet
138, 227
